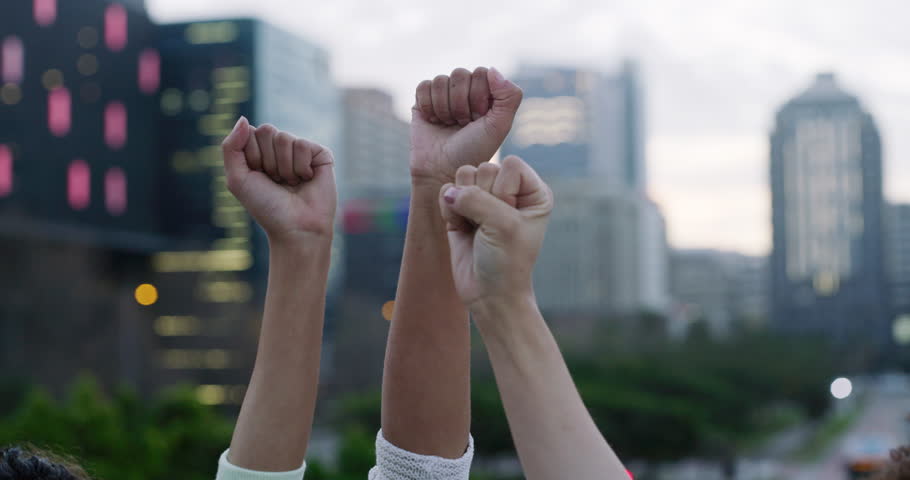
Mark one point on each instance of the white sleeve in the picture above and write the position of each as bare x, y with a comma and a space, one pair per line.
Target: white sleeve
393, 463
226, 471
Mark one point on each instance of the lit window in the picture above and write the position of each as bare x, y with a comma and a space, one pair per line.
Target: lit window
149, 70
78, 185
115, 191
59, 111
45, 12
12, 59
115, 27
6, 171
115, 124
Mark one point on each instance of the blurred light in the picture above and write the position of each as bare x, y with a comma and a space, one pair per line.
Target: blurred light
149, 70
6, 170
549, 121
196, 359
87, 37
225, 292
12, 60
87, 64
841, 388
901, 330
826, 284
52, 79
211, 394
10, 94
90, 92
115, 191
211, 32
78, 185
207, 261
199, 100
177, 326
630, 474
171, 101
146, 294
59, 111
115, 27
115, 125
45, 12
388, 309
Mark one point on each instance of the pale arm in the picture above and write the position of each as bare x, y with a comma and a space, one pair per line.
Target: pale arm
553, 431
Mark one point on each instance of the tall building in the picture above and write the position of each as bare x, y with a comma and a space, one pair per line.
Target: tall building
78, 190
604, 252
584, 132
722, 289
826, 181
897, 255
212, 278
376, 143
577, 123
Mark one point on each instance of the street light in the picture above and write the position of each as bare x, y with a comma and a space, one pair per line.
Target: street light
841, 388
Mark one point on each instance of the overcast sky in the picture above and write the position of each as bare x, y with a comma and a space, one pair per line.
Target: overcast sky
714, 71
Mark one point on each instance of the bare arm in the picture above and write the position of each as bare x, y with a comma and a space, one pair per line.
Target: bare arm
497, 218
458, 119
288, 186
553, 432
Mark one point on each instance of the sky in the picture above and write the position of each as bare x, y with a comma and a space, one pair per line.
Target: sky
714, 72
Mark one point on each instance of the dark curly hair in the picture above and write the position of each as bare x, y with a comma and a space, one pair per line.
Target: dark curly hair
899, 468
17, 463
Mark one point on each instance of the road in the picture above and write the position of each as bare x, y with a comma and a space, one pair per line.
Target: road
882, 416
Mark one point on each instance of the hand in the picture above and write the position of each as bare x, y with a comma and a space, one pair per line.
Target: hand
287, 184
458, 120
496, 217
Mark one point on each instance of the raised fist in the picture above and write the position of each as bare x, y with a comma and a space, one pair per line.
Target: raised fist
461, 119
497, 218
287, 184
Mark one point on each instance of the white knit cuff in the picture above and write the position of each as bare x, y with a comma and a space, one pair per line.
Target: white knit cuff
393, 463
226, 471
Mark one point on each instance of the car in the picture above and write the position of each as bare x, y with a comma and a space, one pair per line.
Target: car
866, 454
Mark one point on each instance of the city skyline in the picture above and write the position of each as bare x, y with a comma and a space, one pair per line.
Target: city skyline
710, 104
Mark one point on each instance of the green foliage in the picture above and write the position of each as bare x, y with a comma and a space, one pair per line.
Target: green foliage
121, 437
667, 401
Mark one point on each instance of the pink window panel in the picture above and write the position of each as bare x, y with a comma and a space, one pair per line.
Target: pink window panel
45, 12
12, 60
115, 29
6, 171
78, 185
149, 70
59, 111
115, 125
115, 191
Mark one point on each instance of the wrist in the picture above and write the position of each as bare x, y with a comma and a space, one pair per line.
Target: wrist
308, 246
502, 313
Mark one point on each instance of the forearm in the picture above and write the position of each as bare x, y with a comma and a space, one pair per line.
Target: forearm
276, 418
553, 431
426, 384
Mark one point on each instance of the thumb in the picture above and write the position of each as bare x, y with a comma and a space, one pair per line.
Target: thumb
233, 149
481, 208
506, 100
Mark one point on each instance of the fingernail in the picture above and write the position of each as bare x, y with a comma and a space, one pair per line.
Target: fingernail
451, 194
239, 121
497, 76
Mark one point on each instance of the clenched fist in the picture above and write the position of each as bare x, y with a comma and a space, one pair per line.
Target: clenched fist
287, 184
497, 218
461, 119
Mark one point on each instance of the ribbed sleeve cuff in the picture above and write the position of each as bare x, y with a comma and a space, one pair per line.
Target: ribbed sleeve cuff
226, 471
393, 463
